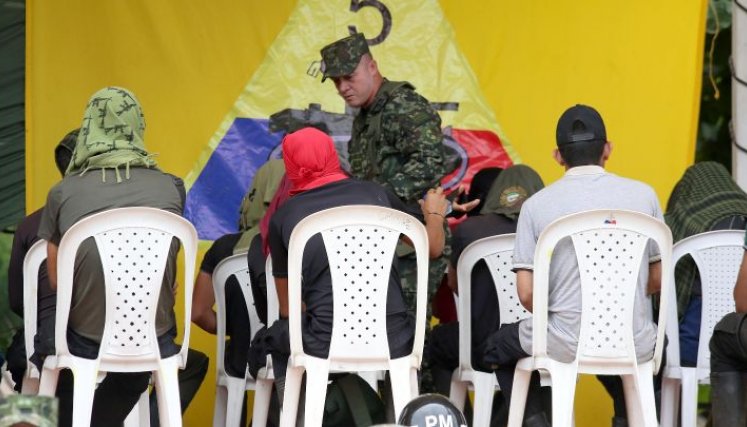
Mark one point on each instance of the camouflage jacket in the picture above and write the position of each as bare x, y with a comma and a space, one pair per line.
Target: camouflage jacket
397, 142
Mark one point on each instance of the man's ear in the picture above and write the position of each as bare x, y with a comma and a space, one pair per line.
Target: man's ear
606, 152
558, 158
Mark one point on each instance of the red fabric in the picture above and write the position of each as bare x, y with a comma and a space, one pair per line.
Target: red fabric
281, 195
310, 160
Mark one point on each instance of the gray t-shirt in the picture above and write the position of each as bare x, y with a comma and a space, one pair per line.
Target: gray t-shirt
76, 197
580, 189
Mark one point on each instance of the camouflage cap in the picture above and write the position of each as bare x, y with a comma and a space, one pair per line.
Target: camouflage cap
341, 57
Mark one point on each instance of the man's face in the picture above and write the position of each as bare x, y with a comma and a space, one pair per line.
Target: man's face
359, 87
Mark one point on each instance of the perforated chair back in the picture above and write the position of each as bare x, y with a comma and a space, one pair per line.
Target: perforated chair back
133, 245
609, 248
360, 243
35, 256
235, 265
718, 256
718, 263
497, 252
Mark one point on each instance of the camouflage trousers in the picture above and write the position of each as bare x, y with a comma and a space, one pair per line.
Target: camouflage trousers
407, 264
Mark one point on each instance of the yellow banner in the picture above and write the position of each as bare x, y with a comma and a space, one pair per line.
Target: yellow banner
512, 66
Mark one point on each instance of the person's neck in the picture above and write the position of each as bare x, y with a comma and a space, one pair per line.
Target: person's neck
377, 87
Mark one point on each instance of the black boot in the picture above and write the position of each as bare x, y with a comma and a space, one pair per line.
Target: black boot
728, 403
619, 422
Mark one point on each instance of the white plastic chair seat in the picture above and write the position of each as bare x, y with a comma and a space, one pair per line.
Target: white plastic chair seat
717, 255
608, 289
368, 236
133, 245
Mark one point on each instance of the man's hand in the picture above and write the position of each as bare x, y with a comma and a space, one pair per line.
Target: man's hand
462, 207
434, 210
434, 203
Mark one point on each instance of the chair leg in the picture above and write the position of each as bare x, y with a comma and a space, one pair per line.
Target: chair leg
30, 386
291, 396
401, 377
84, 388
484, 391
458, 391
140, 414
639, 396
670, 401
221, 406
48, 381
519, 397
317, 375
689, 398
236, 391
167, 392
262, 397
563, 395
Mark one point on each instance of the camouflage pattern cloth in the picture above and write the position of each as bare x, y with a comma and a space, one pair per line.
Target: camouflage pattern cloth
39, 411
397, 142
340, 58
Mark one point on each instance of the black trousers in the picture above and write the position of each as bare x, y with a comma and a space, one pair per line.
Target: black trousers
729, 344
503, 350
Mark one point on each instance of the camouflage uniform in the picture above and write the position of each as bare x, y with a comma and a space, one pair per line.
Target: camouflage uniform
397, 142
36, 410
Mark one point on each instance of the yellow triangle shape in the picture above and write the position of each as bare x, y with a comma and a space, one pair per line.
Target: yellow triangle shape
411, 40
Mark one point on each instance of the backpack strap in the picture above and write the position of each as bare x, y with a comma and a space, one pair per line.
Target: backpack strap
351, 389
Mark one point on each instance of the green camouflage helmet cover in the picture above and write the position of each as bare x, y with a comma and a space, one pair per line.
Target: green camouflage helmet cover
341, 57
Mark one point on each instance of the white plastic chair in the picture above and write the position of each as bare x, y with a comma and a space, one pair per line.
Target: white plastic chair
497, 252
36, 254
718, 255
608, 287
266, 376
231, 390
133, 244
360, 242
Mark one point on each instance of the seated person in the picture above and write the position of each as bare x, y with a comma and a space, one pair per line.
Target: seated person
706, 198
729, 360
110, 169
318, 183
583, 150
253, 207
23, 239
498, 216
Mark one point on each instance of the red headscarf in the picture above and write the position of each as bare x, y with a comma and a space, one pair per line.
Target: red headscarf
310, 160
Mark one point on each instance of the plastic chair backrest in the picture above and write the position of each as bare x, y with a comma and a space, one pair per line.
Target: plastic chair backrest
273, 305
235, 265
133, 245
497, 252
609, 246
360, 241
718, 256
35, 256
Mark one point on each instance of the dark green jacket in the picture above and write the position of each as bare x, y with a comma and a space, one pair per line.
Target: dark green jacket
397, 142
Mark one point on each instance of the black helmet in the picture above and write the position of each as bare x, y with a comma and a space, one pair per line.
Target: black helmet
431, 410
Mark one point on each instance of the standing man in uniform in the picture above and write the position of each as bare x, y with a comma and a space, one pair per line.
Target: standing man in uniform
396, 139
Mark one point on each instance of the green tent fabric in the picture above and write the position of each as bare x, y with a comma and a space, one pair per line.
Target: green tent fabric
12, 149
12, 69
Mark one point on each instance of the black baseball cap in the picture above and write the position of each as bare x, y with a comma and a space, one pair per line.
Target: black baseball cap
580, 123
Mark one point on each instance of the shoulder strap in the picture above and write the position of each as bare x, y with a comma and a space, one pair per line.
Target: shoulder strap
351, 389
